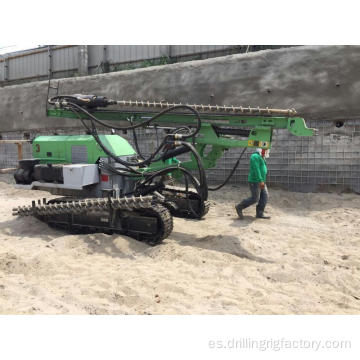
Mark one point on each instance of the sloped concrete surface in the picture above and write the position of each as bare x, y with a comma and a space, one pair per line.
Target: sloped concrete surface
321, 82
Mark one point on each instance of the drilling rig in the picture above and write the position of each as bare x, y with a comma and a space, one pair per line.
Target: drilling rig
108, 186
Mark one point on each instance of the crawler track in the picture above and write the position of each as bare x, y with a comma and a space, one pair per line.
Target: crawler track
139, 217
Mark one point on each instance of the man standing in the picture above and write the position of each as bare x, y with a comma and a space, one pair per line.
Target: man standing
257, 179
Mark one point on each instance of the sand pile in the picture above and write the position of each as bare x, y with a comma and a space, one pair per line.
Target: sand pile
306, 259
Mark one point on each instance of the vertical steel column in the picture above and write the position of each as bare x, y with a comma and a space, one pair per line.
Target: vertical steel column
6, 68
105, 64
169, 51
50, 62
83, 60
104, 54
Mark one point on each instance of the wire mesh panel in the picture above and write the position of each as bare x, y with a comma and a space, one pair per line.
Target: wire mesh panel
9, 157
316, 163
319, 163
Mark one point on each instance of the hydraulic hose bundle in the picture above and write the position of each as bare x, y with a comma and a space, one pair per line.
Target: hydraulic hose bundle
173, 144
76, 104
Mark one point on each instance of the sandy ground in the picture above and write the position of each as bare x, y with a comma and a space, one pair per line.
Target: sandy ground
305, 260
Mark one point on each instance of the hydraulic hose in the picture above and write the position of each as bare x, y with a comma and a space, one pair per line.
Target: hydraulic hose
187, 174
128, 164
202, 174
231, 173
92, 131
143, 123
113, 170
167, 170
137, 147
188, 199
152, 156
200, 186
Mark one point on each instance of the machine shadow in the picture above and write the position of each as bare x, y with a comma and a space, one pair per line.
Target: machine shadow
29, 227
226, 244
99, 243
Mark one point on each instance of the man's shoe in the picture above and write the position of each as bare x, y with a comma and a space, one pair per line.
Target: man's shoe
239, 211
262, 216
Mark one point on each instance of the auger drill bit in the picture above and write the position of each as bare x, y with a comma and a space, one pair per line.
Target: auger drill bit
208, 108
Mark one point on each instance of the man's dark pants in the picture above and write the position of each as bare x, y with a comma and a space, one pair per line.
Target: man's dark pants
258, 195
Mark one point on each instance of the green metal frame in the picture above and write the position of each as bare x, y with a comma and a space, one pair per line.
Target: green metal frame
260, 135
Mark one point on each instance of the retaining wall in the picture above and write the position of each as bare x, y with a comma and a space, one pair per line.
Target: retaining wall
321, 82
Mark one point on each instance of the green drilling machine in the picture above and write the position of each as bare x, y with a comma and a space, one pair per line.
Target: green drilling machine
105, 185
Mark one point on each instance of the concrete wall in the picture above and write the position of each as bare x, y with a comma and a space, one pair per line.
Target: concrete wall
321, 82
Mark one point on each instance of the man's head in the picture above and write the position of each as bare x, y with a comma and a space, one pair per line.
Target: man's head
265, 153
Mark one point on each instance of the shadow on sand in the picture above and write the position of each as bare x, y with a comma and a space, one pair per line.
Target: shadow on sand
29, 227
227, 244
107, 244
